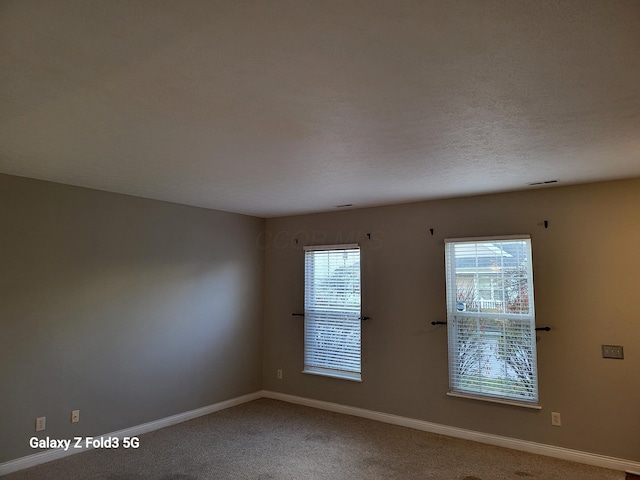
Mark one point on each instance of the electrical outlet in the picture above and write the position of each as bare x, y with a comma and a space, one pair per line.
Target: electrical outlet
41, 423
75, 416
279, 374
555, 419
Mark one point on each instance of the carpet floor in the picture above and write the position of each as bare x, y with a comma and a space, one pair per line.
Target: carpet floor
269, 439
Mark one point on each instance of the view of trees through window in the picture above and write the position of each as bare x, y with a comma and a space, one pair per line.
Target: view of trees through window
491, 321
332, 312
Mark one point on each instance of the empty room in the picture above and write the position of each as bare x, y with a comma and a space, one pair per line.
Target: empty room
308, 239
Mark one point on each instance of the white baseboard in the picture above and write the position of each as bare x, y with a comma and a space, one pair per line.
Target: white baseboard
54, 454
577, 456
515, 444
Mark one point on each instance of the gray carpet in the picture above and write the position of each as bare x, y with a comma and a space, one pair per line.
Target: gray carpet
268, 439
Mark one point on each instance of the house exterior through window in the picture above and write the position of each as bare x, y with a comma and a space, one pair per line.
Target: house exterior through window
491, 320
332, 311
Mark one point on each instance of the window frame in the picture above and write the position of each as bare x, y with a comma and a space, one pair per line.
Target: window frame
455, 312
315, 314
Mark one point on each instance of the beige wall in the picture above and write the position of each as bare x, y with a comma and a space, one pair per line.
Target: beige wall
128, 309
132, 310
586, 266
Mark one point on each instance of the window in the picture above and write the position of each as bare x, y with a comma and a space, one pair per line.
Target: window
332, 311
490, 319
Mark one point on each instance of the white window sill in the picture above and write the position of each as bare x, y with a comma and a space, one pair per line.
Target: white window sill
514, 403
325, 372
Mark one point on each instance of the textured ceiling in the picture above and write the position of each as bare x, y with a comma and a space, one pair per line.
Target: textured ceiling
284, 107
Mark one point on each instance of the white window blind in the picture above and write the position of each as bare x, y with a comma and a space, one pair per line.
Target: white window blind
332, 311
490, 319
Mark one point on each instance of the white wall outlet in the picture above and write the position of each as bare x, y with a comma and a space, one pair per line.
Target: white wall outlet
555, 419
41, 423
75, 416
279, 374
